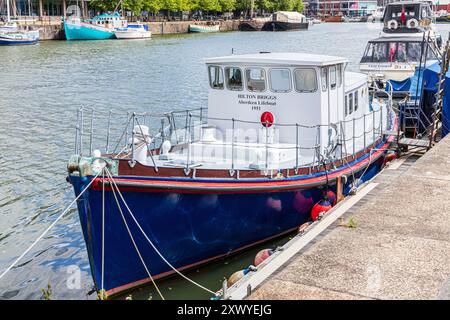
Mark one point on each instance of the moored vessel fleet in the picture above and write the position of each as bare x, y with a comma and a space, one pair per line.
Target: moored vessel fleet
104, 26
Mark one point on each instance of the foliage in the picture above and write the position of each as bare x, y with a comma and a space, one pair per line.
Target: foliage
101, 295
350, 224
47, 292
154, 6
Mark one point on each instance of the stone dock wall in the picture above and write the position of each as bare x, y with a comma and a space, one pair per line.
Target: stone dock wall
55, 31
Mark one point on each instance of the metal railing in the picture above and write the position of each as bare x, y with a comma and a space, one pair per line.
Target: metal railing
330, 142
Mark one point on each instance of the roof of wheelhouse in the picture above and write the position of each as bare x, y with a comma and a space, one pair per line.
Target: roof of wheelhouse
410, 38
288, 58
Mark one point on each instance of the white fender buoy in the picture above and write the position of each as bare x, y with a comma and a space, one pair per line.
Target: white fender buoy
412, 23
392, 24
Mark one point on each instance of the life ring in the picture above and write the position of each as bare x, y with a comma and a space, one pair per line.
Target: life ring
392, 24
412, 23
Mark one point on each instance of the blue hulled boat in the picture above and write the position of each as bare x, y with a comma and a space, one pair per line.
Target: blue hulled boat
281, 132
11, 34
9, 38
100, 27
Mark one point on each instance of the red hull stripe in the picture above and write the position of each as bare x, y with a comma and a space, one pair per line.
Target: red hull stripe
232, 186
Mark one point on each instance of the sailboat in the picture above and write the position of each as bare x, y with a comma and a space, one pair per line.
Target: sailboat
10, 34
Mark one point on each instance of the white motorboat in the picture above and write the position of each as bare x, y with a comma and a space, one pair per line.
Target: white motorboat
133, 31
400, 47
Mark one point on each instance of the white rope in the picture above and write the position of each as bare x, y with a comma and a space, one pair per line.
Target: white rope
151, 243
134, 243
48, 229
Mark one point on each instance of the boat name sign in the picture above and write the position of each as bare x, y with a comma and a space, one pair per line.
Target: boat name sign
390, 66
257, 100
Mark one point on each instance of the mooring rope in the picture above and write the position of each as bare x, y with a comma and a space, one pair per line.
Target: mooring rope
150, 242
48, 229
134, 243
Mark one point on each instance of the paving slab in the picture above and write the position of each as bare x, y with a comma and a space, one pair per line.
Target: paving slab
400, 248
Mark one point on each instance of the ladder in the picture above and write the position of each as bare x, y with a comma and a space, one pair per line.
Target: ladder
413, 115
439, 97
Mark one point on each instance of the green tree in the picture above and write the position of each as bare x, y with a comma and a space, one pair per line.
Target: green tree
299, 6
171, 5
209, 5
134, 6
184, 5
227, 5
102, 5
266, 5
284, 5
153, 6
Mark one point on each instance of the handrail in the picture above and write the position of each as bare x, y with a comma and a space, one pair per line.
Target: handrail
183, 126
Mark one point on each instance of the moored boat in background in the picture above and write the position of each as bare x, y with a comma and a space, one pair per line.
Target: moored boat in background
12, 34
19, 37
133, 31
409, 37
286, 21
332, 18
255, 24
100, 27
210, 26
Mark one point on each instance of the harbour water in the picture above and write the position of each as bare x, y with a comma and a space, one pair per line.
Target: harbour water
43, 86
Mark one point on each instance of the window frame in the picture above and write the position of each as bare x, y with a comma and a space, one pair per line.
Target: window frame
350, 103
295, 81
335, 85
346, 105
339, 75
324, 71
226, 78
265, 79
223, 77
270, 80
356, 100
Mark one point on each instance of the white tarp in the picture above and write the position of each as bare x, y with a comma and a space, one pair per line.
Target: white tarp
289, 16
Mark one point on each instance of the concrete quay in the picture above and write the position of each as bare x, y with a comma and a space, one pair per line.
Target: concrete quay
399, 249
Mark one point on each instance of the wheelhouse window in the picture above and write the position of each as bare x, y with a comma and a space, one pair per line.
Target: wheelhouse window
339, 74
280, 80
414, 51
380, 52
256, 79
346, 105
350, 103
324, 78
215, 77
397, 51
305, 80
396, 11
403, 51
233, 78
356, 100
333, 77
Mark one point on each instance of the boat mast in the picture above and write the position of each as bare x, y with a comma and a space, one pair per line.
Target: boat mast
8, 11
117, 6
